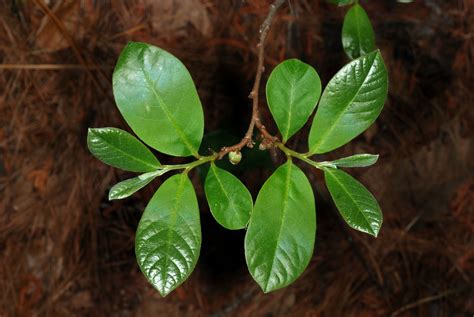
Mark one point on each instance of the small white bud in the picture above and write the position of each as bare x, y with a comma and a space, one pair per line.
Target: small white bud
235, 157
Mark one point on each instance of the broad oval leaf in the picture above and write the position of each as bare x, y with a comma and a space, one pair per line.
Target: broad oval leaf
351, 102
358, 160
120, 149
293, 90
158, 99
280, 238
229, 200
358, 36
168, 239
355, 203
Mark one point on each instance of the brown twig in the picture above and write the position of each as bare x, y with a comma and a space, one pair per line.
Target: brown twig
267, 139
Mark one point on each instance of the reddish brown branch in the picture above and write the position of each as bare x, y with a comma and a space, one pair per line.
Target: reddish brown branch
255, 121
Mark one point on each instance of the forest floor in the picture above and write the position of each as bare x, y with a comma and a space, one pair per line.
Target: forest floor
67, 251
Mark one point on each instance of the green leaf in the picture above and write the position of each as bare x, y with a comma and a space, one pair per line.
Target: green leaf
341, 2
358, 36
293, 90
280, 238
158, 99
358, 160
120, 149
168, 238
229, 200
130, 186
356, 204
351, 102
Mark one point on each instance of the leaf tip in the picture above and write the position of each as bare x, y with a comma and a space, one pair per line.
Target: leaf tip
377, 229
374, 229
91, 131
376, 158
375, 232
111, 196
266, 287
271, 286
89, 140
164, 291
165, 288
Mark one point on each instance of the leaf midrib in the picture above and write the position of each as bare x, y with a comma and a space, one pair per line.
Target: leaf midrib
170, 116
290, 112
128, 184
340, 114
172, 223
285, 208
213, 167
118, 149
358, 29
353, 200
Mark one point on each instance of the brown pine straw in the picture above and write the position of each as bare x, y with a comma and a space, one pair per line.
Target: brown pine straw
52, 66
66, 251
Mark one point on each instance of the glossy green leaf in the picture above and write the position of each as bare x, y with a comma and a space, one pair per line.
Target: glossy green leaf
358, 160
158, 99
229, 200
293, 90
358, 36
168, 238
280, 238
355, 203
120, 149
341, 2
130, 186
351, 102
